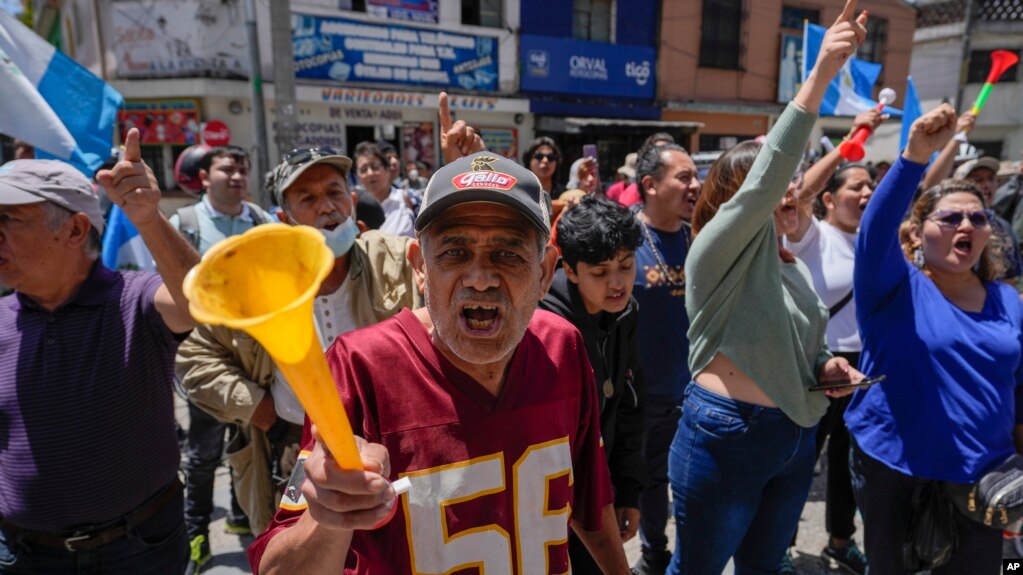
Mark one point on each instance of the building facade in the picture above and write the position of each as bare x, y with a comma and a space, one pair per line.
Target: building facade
940, 43
364, 70
732, 65
589, 69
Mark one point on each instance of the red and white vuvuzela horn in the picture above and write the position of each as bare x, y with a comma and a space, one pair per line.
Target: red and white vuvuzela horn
852, 149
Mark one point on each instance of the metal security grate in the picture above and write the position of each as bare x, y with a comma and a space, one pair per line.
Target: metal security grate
938, 13
1000, 10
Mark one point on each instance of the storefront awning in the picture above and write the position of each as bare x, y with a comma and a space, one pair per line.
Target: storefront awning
573, 125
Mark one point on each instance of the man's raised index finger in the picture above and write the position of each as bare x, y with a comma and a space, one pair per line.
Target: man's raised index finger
848, 12
445, 113
132, 151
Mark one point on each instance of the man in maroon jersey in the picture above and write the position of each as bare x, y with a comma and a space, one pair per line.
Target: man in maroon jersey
488, 409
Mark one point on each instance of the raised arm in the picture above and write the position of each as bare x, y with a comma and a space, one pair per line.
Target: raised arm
726, 237
942, 166
457, 139
132, 186
816, 177
880, 263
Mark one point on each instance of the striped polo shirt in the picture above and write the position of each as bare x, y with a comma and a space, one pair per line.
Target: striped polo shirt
86, 406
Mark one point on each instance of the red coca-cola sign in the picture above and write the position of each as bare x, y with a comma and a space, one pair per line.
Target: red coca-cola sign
216, 133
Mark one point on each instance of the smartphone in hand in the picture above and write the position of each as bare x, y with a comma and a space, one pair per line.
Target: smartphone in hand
590, 151
843, 384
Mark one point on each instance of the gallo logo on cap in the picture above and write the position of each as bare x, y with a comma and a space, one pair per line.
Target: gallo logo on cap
484, 180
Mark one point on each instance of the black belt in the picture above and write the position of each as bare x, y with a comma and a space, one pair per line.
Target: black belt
84, 540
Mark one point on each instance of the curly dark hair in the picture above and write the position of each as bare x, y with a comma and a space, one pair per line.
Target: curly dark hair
596, 230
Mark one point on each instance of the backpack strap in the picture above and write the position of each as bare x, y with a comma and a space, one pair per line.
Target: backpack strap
841, 304
259, 217
188, 224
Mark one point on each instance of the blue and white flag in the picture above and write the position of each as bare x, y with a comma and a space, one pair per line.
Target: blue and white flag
52, 102
851, 92
910, 111
123, 248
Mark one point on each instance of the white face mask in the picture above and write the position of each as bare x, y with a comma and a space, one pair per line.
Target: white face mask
341, 239
413, 175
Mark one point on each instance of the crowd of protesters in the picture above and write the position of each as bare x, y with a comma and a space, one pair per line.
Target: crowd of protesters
555, 368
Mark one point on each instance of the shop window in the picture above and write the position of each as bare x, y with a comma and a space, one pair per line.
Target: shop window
487, 13
793, 17
594, 20
720, 35
980, 65
875, 45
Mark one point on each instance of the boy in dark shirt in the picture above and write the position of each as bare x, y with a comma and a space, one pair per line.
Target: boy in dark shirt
593, 290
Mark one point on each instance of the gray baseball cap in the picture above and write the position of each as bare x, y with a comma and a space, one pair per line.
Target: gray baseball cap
296, 162
486, 177
963, 171
36, 181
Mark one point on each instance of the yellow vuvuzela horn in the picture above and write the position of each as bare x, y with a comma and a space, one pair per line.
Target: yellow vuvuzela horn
264, 282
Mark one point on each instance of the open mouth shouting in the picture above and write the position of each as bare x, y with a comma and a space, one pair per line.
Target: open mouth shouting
690, 200
962, 245
480, 320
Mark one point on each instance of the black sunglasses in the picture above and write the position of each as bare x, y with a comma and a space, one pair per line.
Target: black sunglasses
540, 156
953, 218
303, 155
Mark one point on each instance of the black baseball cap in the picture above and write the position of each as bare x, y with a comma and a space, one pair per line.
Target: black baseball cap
486, 177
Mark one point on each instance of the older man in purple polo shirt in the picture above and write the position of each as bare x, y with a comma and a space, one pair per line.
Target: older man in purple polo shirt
88, 453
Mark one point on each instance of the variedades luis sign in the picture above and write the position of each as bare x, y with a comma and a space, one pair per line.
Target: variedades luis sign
559, 66
350, 51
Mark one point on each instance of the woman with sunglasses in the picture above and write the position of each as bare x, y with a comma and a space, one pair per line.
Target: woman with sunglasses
543, 158
935, 321
741, 463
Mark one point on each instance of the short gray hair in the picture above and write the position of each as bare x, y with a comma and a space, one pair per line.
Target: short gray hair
56, 216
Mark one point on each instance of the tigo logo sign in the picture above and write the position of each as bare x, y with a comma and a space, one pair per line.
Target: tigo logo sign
638, 71
539, 63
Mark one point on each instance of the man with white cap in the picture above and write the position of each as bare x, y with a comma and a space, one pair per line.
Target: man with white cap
89, 457
984, 173
1007, 204
485, 404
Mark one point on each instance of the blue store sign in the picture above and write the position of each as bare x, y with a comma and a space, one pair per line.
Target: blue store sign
558, 66
350, 51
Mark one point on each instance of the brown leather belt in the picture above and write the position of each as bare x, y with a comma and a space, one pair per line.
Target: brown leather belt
83, 540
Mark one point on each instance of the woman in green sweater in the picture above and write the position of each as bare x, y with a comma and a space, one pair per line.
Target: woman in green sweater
741, 462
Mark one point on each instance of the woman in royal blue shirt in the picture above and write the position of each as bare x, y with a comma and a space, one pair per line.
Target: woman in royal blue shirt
947, 335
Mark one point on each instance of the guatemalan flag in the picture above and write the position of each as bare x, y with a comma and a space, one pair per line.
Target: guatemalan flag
67, 113
851, 92
52, 102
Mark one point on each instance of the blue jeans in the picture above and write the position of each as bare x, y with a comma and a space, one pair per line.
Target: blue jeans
659, 425
736, 469
158, 545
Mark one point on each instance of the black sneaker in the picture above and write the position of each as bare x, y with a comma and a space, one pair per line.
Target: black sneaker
237, 526
849, 558
199, 554
652, 563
